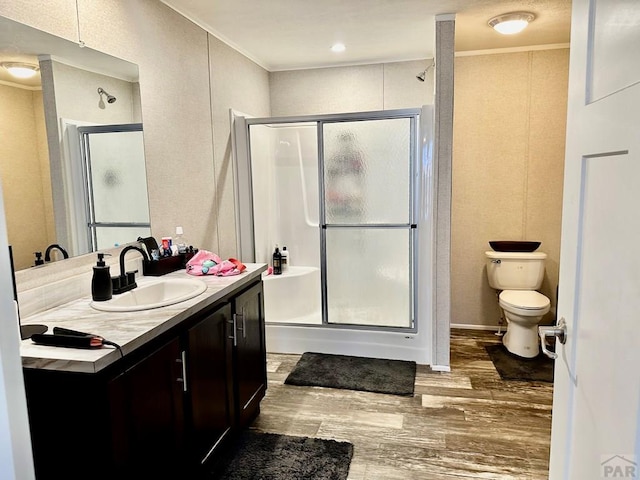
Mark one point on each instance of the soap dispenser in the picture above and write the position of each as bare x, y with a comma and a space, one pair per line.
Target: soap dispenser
101, 288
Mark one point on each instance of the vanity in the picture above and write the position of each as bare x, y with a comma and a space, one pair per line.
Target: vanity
187, 379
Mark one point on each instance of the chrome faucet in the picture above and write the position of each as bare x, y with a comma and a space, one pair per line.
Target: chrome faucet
47, 253
127, 280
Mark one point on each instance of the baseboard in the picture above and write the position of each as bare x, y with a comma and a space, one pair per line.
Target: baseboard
469, 326
440, 368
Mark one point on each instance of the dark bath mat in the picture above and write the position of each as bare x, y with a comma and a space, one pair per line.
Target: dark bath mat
512, 367
396, 377
268, 456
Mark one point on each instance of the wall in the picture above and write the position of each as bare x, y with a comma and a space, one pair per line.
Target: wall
189, 183
508, 161
24, 161
240, 84
351, 89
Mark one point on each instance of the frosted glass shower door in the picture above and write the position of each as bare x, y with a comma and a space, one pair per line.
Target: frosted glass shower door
367, 228
116, 183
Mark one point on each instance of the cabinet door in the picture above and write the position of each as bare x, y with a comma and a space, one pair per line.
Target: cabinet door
147, 414
250, 354
209, 382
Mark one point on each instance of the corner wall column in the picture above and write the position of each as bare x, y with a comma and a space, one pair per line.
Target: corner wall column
444, 74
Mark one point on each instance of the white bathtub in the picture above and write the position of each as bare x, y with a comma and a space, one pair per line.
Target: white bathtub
294, 323
293, 297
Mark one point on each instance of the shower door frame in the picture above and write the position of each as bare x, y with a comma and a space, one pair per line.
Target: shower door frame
412, 115
244, 201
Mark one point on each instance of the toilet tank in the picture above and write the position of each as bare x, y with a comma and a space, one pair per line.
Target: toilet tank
515, 270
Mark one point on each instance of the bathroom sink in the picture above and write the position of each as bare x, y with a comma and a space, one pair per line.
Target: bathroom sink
153, 295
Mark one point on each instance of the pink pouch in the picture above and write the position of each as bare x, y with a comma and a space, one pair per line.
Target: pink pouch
208, 263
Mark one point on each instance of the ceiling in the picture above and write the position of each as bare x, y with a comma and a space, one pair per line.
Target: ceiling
298, 34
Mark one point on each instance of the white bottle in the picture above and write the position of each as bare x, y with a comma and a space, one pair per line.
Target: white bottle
179, 241
285, 259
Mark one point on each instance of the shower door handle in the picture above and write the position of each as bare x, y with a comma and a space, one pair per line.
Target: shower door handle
559, 331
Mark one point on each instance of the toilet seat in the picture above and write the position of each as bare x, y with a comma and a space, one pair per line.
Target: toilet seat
524, 302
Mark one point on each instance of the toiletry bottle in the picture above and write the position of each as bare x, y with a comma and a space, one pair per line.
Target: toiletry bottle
179, 241
277, 261
285, 259
166, 246
101, 288
39, 260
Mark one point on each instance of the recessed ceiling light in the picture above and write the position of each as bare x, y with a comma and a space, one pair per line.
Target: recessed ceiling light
511, 23
338, 47
20, 70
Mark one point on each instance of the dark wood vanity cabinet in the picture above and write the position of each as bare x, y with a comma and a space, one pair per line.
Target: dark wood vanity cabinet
146, 414
162, 413
208, 365
250, 354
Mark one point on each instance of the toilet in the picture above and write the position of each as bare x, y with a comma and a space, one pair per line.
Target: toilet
517, 276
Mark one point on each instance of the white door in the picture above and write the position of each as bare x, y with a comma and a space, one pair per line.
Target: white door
596, 406
16, 460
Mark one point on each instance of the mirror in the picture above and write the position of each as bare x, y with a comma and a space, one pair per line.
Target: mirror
55, 163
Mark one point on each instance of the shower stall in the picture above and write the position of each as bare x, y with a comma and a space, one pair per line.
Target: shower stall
351, 197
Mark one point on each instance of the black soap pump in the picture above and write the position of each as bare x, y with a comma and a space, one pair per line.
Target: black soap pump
101, 288
39, 260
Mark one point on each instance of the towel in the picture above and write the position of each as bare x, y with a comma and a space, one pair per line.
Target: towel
208, 263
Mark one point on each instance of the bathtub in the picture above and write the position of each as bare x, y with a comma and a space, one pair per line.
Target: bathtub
293, 314
293, 297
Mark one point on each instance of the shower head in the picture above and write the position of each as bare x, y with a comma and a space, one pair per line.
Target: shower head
423, 74
110, 98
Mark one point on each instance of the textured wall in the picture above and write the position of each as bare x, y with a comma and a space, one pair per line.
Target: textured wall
20, 165
350, 89
508, 161
240, 84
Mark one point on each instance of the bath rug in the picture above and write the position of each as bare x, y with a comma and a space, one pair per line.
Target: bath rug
512, 367
268, 456
396, 377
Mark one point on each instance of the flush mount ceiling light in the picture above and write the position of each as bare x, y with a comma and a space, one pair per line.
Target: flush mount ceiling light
20, 70
338, 47
510, 23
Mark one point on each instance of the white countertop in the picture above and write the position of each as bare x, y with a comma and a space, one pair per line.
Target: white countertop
130, 330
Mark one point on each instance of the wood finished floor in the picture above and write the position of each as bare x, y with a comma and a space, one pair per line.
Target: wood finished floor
467, 423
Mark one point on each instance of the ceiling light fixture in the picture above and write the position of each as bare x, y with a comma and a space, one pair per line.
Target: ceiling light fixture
510, 23
20, 70
338, 47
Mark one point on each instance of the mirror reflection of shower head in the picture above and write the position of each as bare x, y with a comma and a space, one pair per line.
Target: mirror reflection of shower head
110, 98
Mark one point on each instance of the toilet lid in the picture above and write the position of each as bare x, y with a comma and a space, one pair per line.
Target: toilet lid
525, 299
